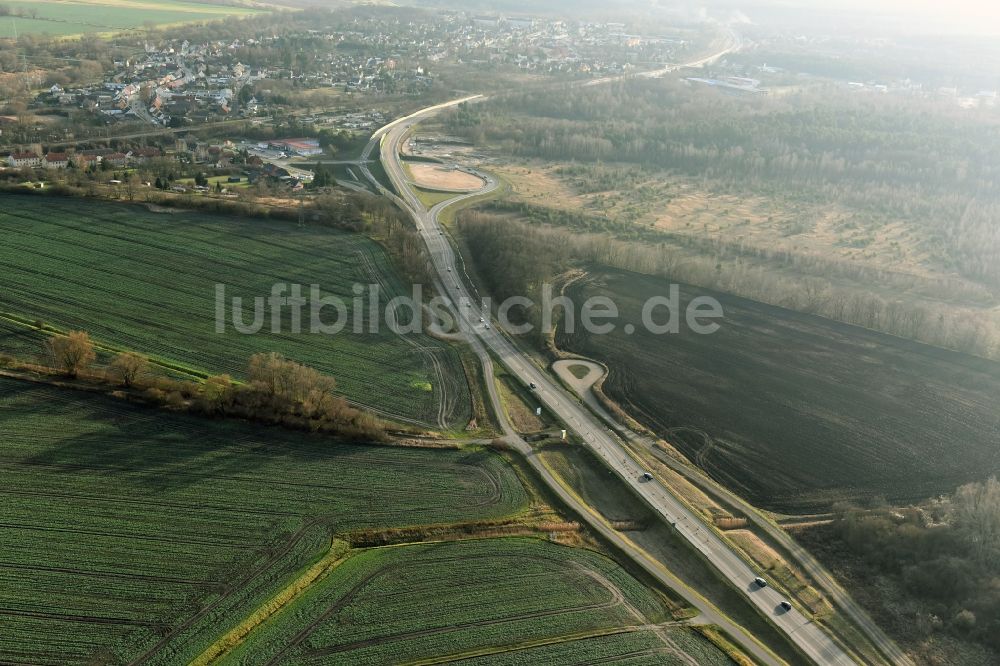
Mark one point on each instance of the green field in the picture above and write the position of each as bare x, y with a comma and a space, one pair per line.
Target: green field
67, 17
127, 529
494, 601
146, 281
22, 342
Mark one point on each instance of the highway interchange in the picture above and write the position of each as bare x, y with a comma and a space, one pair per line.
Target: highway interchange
489, 343
810, 638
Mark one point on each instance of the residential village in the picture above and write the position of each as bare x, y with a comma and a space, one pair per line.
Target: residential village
242, 98
177, 82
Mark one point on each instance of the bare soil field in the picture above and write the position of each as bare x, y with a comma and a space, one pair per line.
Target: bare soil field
437, 177
796, 412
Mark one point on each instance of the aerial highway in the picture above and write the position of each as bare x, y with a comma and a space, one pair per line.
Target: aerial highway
811, 639
467, 315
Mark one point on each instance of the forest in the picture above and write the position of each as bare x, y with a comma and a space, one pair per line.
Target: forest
905, 158
881, 162
929, 572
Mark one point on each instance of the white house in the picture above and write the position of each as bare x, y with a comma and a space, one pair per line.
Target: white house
56, 160
21, 160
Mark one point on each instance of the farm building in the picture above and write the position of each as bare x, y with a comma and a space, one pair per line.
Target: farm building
21, 160
143, 155
83, 161
116, 159
56, 161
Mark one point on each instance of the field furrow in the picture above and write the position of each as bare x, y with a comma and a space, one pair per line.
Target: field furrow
131, 534
147, 282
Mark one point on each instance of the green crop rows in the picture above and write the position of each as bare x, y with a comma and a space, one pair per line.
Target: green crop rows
146, 281
21, 341
126, 530
502, 599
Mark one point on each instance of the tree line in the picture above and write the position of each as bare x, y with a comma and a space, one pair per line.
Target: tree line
276, 390
932, 168
516, 256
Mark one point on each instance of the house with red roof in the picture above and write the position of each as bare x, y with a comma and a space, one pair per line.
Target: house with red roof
24, 160
56, 160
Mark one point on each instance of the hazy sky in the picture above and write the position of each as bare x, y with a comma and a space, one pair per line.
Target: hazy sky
975, 16
978, 17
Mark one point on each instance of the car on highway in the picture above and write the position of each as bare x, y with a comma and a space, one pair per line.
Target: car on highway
487, 327
646, 476
785, 605
760, 582
481, 320
533, 385
449, 269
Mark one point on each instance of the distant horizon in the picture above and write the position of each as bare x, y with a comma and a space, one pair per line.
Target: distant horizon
970, 17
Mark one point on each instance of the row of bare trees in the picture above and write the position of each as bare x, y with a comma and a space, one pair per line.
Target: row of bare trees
74, 353
515, 257
277, 390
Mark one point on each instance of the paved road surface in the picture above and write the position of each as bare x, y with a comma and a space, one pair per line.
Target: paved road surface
803, 558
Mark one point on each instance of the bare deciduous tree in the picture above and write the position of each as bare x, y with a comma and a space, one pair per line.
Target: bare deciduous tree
71, 353
128, 367
284, 378
976, 514
216, 393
